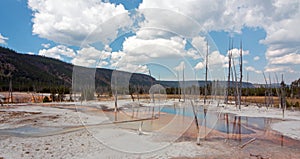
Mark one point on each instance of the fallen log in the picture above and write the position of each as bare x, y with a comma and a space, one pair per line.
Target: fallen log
248, 142
258, 156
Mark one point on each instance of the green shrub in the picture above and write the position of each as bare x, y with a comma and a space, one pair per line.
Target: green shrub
297, 104
288, 104
46, 99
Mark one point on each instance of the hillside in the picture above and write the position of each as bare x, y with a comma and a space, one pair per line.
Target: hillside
44, 74
41, 74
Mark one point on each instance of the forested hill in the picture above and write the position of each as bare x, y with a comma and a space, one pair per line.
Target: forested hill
44, 74
41, 74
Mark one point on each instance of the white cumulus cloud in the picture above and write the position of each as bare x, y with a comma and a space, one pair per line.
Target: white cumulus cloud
46, 45
292, 58
279, 19
141, 49
215, 59
91, 57
252, 69
70, 22
3, 39
236, 52
256, 58
180, 67
58, 52
199, 66
279, 69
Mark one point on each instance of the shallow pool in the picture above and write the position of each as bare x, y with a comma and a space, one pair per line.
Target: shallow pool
29, 130
226, 123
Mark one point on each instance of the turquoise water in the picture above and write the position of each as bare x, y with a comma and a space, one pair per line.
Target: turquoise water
230, 124
29, 130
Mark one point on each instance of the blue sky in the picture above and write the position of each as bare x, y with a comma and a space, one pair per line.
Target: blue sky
135, 34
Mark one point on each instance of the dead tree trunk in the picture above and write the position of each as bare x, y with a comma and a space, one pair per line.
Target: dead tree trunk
241, 75
270, 92
247, 89
178, 88
183, 84
282, 99
277, 90
206, 65
235, 83
10, 90
229, 74
266, 92
116, 101
115, 90
196, 122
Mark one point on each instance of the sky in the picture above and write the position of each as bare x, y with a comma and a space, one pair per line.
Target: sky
161, 38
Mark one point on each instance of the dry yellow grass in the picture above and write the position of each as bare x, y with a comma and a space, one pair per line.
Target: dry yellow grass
24, 97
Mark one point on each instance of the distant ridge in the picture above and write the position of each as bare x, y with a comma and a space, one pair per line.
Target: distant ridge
174, 84
41, 74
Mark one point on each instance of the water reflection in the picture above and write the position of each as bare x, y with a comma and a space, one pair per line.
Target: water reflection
226, 123
238, 128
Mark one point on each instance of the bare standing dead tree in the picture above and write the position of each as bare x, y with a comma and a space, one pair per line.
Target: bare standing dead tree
270, 92
235, 83
10, 89
241, 75
266, 92
196, 122
206, 67
278, 91
178, 88
292, 97
247, 89
282, 97
184, 89
229, 69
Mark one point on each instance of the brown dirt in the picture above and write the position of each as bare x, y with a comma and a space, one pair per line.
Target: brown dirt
6, 116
